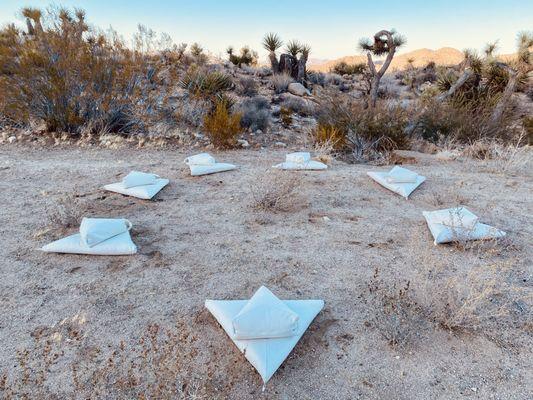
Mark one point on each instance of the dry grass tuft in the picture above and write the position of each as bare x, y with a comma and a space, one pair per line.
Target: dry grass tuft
66, 213
276, 191
156, 366
398, 317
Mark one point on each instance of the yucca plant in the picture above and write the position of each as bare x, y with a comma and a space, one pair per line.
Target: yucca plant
293, 48
206, 85
383, 43
272, 42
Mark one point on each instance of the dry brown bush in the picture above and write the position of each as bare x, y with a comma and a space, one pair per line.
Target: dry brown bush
360, 133
222, 126
66, 213
276, 191
64, 73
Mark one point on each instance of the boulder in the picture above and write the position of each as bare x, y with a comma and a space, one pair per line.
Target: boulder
298, 89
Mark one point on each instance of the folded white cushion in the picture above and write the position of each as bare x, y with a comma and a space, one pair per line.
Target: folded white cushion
265, 316
266, 355
200, 159
298, 157
300, 161
446, 233
116, 246
136, 178
145, 192
97, 230
401, 175
403, 189
458, 217
204, 164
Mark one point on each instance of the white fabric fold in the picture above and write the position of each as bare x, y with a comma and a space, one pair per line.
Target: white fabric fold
204, 164
145, 192
300, 161
200, 159
403, 189
446, 233
136, 178
265, 317
94, 231
401, 175
300, 157
266, 355
458, 217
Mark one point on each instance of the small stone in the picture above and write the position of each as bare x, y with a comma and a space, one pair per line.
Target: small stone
326, 219
298, 89
12, 139
280, 144
243, 143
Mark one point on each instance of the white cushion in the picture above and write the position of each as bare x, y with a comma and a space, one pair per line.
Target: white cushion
401, 175
458, 217
445, 234
403, 189
136, 178
309, 166
200, 159
198, 170
298, 157
145, 192
97, 230
116, 246
265, 316
266, 355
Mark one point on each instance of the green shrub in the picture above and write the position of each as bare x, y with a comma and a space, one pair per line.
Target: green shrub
204, 84
343, 68
245, 57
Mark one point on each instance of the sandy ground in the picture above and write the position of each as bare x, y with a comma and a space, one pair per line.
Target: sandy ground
201, 239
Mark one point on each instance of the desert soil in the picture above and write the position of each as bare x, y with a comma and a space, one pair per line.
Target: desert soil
201, 239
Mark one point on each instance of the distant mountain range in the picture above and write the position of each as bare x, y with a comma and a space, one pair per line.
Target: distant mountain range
443, 56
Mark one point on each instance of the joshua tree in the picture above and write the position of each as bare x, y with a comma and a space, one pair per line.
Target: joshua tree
523, 65
33, 20
272, 43
384, 42
304, 50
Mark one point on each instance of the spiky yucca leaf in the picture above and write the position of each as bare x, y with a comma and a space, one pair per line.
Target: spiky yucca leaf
379, 45
272, 42
305, 49
293, 48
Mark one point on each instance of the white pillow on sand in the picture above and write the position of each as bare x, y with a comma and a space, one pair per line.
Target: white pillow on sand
458, 217
266, 354
204, 164
136, 178
300, 161
145, 192
401, 175
446, 233
399, 180
264, 317
118, 241
97, 230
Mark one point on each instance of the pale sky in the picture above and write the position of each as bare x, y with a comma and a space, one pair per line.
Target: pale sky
331, 27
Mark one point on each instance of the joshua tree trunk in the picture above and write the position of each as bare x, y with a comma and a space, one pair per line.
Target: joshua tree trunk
301, 68
274, 64
506, 95
377, 75
467, 74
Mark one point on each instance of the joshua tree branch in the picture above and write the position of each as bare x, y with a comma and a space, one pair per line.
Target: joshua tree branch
507, 93
456, 86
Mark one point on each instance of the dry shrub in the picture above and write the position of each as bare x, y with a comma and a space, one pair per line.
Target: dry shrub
247, 87
222, 126
276, 191
285, 115
255, 113
361, 133
60, 364
280, 82
463, 120
398, 317
66, 213
64, 73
